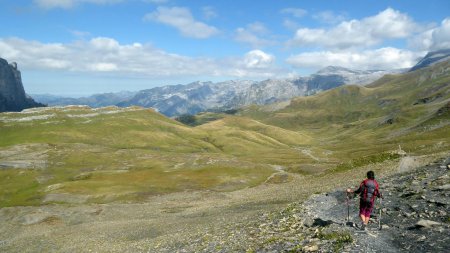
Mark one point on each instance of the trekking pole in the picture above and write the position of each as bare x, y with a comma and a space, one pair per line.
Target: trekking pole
348, 209
348, 223
379, 219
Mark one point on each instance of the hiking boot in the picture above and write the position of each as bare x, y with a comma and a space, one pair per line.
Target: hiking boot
363, 227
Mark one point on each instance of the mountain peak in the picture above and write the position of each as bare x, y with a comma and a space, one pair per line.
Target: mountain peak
334, 70
432, 58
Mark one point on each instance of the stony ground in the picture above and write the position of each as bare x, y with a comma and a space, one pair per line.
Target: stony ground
267, 218
415, 217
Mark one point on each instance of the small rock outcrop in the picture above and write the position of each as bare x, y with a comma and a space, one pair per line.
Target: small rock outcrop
12, 93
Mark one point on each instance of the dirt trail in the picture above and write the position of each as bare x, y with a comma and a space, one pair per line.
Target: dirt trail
414, 217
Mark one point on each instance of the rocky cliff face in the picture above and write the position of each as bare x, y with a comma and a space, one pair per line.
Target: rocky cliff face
201, 96
432, 58
12, 93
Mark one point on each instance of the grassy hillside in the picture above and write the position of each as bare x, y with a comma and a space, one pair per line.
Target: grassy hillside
78, 154
353, 122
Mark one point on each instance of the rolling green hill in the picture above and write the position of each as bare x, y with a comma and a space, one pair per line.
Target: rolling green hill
411, 110
77, 154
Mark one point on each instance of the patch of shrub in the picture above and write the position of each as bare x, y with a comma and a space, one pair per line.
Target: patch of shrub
231, 111
187, 119
339, 239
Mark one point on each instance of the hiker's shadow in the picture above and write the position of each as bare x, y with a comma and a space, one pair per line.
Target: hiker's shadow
318, 222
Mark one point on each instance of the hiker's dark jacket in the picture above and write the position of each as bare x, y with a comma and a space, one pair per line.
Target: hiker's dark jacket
368, 189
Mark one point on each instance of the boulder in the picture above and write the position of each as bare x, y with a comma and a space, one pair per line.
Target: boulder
427, 223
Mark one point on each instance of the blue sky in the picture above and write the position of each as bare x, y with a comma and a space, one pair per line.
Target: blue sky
81, 47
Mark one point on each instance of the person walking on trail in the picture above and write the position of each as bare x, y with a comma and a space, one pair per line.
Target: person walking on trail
368, 190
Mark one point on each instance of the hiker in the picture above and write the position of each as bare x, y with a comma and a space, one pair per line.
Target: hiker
368, 190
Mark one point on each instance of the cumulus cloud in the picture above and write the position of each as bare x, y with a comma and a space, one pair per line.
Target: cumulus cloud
296, 12
258, 59
254, 64
433, 39
370, 31
382, 58
67, 4
181, 18
108, 55
441, 36
253, 34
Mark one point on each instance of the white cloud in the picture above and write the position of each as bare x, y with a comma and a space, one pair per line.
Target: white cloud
108, 55
296, 12
422, 41
441, 36
370, 31
433, 39
182, 19
67, 4
253, 34
258, 59
390, 24
103, 67
329, 17
382, 58
254, 64
105, 44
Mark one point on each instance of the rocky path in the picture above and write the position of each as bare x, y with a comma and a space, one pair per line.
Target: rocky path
414, 218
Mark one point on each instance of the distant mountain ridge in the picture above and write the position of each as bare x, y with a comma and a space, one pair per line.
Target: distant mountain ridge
12, 93
432, 58
96, 100
199, 96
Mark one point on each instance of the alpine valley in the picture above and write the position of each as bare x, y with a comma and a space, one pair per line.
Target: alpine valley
264, 178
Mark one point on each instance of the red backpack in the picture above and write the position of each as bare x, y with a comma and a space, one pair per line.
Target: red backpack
369, 190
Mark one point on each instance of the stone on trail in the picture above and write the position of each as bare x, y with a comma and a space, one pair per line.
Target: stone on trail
312, 248
444, 187
427, 223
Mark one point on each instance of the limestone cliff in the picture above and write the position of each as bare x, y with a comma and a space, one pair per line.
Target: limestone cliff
12, 93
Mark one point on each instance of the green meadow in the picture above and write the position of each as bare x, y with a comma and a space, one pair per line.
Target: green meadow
113, 154
78, 154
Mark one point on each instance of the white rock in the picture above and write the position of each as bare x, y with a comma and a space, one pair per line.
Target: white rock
427, 223
311, 248
53, 187
444, 187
